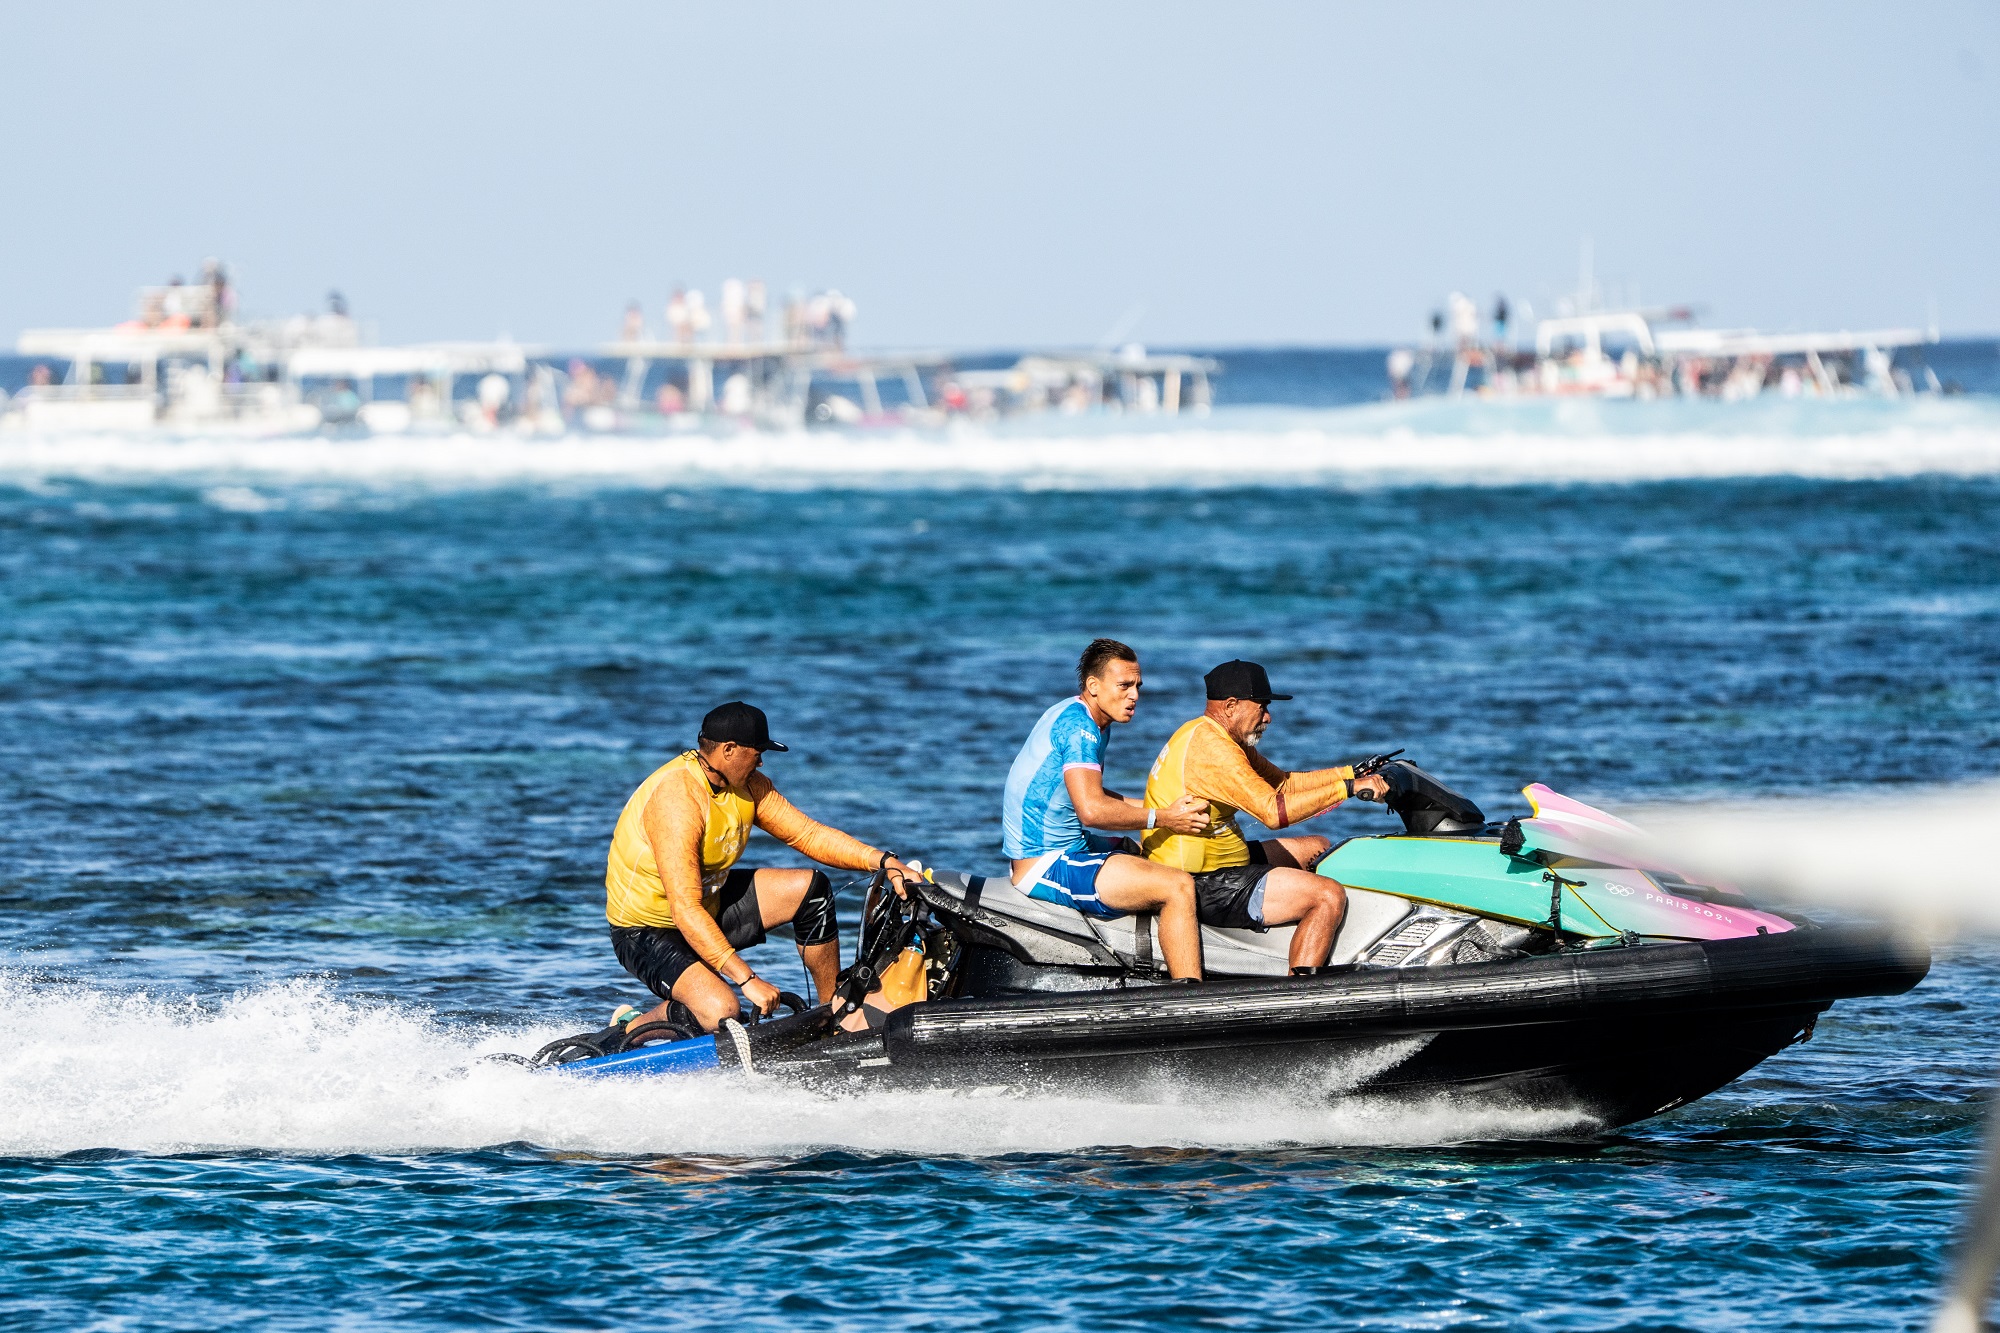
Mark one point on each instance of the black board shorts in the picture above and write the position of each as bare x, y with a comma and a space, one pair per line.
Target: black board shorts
1222, 897
657, 955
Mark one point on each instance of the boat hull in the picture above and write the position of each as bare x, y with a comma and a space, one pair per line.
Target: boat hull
1611, 1035
1608, 1036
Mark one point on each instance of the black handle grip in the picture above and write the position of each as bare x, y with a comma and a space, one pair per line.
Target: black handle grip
787, 998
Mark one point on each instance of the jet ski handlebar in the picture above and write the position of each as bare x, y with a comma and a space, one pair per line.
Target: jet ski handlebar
1368, 768
889, 920
1373, 764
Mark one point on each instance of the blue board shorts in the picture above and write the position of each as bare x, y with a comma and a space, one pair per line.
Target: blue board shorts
1069, 878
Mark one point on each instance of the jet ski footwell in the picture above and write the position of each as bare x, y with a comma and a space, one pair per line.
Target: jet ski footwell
1617, 1034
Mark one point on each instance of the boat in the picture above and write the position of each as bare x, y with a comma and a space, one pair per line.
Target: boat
186, 363
1624, 354
1129, 381
1547, 960
1588, 349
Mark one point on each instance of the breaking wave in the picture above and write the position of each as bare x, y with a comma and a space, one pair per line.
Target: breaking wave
1386, 444
293, 1068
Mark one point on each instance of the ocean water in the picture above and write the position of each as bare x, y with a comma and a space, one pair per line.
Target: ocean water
309, 751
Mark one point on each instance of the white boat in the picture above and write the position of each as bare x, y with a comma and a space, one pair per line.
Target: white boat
1130, 380
183, 363
1625, 353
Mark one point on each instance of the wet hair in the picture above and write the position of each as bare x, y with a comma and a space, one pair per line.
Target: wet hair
1098, 655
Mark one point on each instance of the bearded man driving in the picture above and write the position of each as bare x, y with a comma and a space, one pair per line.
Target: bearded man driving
1239, 883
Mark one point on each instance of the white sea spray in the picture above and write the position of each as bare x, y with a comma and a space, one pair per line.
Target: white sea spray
1429, 444
291, 1067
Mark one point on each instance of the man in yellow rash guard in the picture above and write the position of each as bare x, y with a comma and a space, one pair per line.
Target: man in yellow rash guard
678, 905
1239, 883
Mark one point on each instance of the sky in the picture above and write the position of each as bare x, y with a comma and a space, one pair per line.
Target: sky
1005, 175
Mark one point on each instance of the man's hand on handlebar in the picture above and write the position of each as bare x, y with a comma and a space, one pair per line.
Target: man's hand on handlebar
1373, 787
897, 873
763, 996
1187, 815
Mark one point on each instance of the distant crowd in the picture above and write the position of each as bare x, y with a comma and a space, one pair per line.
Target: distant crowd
819, 320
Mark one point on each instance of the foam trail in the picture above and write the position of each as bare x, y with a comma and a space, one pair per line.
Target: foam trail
292, 1068
1322, 453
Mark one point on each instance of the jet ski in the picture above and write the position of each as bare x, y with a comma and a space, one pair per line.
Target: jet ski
1542, 961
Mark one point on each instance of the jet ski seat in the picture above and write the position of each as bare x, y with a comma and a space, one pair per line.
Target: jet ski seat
1050, 933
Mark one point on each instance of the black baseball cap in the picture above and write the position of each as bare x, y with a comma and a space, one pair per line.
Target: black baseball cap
742, 723
1240, 680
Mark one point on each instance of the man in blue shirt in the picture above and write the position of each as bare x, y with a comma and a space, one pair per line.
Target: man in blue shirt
1055, 793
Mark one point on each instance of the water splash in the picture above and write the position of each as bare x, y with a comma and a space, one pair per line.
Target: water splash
293, 1068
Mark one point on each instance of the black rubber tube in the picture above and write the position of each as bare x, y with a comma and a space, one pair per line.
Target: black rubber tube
1811, 967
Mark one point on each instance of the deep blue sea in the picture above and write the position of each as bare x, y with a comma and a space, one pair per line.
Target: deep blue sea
309, 752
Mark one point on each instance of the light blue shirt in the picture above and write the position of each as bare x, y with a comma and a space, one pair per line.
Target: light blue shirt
1037, 815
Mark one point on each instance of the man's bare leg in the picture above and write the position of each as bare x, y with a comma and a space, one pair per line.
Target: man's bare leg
709, 997
1315, 902
779, 893
1133, 884
705, 994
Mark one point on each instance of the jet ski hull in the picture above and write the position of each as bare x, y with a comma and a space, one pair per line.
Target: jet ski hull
1544, 962
1613, 1034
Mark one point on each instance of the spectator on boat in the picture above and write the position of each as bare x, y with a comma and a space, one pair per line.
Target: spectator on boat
221, 300
1500, 313
1401, 363
736, 399
754, 301
581, 391
634, 328
531, 401
734, 305
677, 316
1464, 321
839, 314
495, 395
41, 376
423, 397
1240, 884
1055, 796
173, 304
670, 400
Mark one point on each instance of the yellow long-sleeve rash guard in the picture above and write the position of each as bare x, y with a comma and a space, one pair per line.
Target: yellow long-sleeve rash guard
1203, 760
